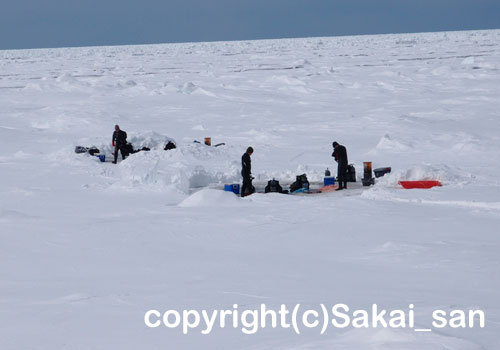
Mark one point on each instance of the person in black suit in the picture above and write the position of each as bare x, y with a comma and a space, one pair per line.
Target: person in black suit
340, 155
119, 142
246, 173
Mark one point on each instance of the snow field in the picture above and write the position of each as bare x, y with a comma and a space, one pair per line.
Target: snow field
86, 248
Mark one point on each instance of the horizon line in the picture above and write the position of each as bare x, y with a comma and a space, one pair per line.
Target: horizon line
246, 40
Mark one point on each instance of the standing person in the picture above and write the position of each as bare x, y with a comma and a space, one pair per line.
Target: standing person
246, 173
340, 154
119, 142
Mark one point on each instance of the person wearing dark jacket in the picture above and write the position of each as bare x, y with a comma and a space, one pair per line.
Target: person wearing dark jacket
246, 173
119, 142
340, 155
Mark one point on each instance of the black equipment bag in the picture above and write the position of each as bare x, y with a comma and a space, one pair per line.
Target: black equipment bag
94, 150
300, 182
170, 145
128, 149
351, 173
273, 186
91, 150
81, 149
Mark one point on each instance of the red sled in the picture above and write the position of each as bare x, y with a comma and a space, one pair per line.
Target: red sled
420, 184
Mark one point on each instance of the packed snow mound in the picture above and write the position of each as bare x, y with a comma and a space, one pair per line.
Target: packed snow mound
198, 127
210, 198
187, 88
289, 176
153, 170
468, 61
150, 139
188, 166
443, 70
465, 143
387, 143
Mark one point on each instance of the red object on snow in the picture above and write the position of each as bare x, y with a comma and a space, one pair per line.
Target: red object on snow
328, 188
420, 184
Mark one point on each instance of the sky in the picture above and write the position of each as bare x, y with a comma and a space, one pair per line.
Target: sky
66, 23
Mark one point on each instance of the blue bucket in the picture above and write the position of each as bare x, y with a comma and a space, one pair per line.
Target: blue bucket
235, 188
329, 180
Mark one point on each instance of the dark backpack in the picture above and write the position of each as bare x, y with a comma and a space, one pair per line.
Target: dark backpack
351, 173
169, 145
300, 182
128, 148
273, 186
94, 150
249, 190
81, 149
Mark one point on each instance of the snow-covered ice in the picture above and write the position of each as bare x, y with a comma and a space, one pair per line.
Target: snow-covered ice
86, 248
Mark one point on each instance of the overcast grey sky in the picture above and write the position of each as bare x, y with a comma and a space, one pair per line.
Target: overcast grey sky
61, 23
